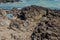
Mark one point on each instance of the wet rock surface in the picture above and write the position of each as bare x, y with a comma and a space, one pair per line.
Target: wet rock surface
4, 1
30, 23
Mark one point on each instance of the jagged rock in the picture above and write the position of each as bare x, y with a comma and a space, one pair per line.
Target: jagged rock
4, 1
32, 12
31, 23
48, 28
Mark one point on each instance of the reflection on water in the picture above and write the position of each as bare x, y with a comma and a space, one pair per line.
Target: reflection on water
45, 3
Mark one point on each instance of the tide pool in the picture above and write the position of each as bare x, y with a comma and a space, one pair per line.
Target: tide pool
53, 4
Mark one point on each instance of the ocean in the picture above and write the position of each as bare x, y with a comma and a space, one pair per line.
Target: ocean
53, 4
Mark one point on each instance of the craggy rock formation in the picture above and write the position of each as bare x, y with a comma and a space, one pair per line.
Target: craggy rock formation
31, 23
4, 1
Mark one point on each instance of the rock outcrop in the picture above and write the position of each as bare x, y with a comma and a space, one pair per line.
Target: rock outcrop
31, 23
4, 1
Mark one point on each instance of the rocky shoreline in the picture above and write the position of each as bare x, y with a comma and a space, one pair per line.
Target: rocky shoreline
30, 23
4, 1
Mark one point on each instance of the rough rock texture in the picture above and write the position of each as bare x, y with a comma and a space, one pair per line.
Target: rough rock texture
31, 23
4, 1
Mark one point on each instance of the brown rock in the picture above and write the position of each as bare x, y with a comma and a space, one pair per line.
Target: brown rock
31, 23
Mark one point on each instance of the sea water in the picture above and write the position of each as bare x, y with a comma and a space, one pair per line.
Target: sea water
53, 4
